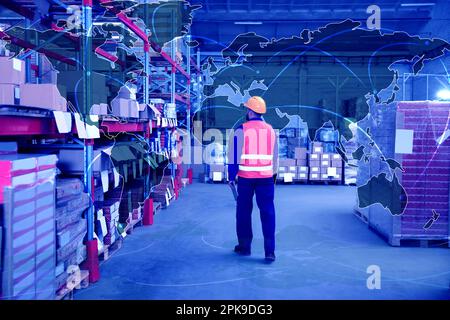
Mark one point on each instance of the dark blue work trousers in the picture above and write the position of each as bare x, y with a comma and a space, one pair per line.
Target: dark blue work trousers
264, 189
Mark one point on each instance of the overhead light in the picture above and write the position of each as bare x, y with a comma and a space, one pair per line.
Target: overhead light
443, 94
421, 4
248, 22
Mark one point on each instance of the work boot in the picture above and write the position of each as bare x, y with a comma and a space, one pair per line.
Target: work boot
270, 257
241, 251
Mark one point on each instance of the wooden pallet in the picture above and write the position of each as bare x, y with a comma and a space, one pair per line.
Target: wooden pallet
108, 250
413, 240
74, 282
134, 223
325, 182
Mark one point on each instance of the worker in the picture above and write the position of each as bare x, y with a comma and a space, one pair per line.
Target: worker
253, 158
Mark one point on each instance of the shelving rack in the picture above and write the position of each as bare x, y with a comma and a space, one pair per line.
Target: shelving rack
42, 125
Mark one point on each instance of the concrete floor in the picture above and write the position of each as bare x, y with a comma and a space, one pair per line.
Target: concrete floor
323, 252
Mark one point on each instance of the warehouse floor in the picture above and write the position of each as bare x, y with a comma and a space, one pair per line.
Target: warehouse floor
323, 252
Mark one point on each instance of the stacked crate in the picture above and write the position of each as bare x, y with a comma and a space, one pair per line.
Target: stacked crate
71, 227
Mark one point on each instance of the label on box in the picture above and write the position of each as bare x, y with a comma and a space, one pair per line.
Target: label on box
17, 64
318, 149
404, 141
325, 156
325, 163
282, 169
105, 181
292, 168
315, 169
288, 177
331, 172
314, 175
324, 176
217, 176
314, 156
303, 169
302, 175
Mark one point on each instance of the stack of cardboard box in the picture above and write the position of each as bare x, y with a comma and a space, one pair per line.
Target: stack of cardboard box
125, 104
71, 227
301, 158
12, 72
27, 186
14, 90
287, 170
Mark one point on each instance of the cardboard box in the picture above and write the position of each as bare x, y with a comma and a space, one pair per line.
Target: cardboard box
324, 163
314, 170
337, 163
292, 169
103, 108
314, 176
287, 162
301, 162
314, 163
324, 169
133, 109
95, 109
120, 107
12, 71
301, 153
302, 173
44, 96
317, 147
332, 171
283, 169
302, 169
9, 94
302, 176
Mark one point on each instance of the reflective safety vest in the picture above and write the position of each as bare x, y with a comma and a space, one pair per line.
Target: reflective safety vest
258, 149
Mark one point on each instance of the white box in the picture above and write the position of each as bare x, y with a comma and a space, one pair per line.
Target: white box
217, 176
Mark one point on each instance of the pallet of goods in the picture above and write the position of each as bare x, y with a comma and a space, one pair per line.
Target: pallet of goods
416, 147
27, 188
71, 227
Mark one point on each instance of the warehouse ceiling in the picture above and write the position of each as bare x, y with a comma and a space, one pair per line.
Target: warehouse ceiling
218, 22
222, 20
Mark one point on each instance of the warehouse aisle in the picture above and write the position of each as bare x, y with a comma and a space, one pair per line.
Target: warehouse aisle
323, 252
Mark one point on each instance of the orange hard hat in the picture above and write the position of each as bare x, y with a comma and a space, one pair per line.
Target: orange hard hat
256, 104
